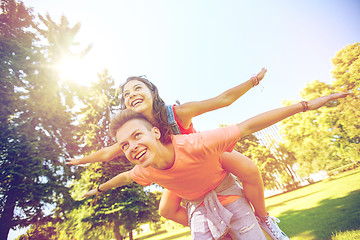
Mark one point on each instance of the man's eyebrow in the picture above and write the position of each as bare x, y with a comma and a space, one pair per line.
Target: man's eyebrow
131, 135
122, 143
134, 132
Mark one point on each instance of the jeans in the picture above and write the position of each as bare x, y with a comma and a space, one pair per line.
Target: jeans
243, 224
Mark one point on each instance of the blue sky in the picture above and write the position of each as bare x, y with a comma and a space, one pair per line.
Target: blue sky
193, 50
196, 49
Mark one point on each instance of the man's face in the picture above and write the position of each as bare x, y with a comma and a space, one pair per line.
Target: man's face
139, 142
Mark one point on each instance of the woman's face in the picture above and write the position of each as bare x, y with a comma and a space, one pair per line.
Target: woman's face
138, 97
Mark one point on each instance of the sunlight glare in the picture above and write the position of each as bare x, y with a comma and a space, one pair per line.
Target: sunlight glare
74, 69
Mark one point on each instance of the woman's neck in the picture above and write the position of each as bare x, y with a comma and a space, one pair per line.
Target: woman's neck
150, 117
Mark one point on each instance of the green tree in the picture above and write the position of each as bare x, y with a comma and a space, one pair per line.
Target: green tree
347, 79
289, 177
311, 135
264, 160
18, 143
328, 137
285, 160
42, 230
36, 123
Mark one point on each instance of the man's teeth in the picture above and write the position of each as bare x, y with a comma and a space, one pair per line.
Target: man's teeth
140, 154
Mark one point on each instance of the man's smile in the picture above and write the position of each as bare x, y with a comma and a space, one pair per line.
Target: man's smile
140, 155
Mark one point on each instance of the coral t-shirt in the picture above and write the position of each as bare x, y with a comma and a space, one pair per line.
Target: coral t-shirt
197, 169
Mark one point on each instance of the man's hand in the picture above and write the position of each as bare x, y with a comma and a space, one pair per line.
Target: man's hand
320, 101
73, 162
90, 193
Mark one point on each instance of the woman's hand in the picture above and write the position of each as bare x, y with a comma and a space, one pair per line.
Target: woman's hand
261, 74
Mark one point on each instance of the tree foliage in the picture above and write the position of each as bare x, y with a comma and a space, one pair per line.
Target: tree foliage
328, 137
44, 229
264, 160
38, 132
347, 79
36, 123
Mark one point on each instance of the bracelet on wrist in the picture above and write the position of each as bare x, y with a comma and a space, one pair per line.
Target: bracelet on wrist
255, 81
98, 189
304, 105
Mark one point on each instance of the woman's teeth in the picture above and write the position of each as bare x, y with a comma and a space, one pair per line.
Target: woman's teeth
136, 102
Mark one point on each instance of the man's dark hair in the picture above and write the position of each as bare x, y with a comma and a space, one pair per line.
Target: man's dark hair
123, 116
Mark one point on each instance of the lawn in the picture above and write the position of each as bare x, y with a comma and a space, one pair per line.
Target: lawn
318, 210
329, 209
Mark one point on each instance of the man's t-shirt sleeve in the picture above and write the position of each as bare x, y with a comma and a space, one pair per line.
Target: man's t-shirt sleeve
138, 176
221, 139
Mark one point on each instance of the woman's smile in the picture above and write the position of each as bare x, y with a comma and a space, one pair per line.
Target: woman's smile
138, 96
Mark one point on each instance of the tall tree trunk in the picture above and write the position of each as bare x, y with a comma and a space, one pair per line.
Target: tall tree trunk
288, 168
7, 214
116, 229
131, 235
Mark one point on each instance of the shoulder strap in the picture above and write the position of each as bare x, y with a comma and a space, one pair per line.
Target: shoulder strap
171, 120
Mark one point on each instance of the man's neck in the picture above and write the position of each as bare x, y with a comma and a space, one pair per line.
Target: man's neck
165, 157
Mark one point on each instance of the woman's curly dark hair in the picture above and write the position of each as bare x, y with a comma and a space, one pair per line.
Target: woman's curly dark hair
159, 108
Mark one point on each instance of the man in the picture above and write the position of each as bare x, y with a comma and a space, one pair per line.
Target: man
190, 167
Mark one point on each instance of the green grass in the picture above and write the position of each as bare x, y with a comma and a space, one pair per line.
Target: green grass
319, 210
326, 210
348, 235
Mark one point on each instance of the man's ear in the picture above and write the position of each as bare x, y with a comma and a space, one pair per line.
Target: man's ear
156, 132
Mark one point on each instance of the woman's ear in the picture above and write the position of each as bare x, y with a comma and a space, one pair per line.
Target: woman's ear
156, 132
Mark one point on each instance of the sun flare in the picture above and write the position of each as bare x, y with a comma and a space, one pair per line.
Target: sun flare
74, 69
